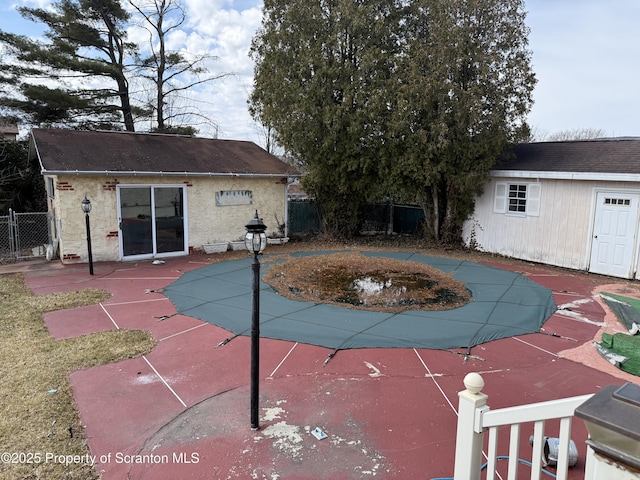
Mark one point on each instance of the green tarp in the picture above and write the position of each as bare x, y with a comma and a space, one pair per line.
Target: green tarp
504, 304
622, 345
626, 309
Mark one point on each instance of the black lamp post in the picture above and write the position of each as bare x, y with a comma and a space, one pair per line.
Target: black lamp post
86, 208
256, 241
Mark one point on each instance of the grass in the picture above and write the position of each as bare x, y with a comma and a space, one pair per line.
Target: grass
35, 420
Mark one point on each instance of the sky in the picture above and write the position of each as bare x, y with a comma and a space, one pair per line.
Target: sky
586, 57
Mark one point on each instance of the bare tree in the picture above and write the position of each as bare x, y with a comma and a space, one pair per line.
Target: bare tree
171, 73
575, 134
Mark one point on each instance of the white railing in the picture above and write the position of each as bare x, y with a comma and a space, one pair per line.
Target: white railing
475, 419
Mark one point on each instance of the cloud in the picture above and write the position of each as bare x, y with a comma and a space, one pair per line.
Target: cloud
222, 30
225, 29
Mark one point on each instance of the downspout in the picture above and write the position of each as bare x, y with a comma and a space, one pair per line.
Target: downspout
286, 209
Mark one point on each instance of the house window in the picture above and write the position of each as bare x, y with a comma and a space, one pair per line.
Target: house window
521, 199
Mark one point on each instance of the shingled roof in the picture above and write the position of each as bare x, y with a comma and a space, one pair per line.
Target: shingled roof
616, 156
8, 129
126, 153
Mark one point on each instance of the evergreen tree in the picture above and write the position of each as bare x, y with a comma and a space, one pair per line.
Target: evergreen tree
21, 185
416, 99
465, 91
86, 42
321, 80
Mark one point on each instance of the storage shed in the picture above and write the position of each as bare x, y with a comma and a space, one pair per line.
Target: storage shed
571, 204
154, 195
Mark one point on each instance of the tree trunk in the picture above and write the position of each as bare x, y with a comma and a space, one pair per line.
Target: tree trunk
435, 196
161, 62
429, 203
125, 102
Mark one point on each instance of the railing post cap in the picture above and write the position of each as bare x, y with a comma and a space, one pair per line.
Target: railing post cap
473, 382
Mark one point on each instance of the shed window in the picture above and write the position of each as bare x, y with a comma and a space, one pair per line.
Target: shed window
51, 190
517, 199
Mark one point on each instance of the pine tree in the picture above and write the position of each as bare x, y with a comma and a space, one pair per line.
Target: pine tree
77, 77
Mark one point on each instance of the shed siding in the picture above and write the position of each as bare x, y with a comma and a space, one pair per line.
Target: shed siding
560, 235
206, 222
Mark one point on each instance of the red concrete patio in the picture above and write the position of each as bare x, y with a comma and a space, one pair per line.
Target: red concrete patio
182, 411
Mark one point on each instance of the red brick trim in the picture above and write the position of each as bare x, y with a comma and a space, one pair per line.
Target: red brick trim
111, 185
64, 186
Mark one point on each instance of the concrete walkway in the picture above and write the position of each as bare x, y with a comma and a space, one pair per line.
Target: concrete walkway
182, 411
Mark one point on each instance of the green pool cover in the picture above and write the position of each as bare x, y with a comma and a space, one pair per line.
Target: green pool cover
504, 304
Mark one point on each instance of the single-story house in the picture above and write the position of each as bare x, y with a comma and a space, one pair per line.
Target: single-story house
155, 195
572, 204
8, 130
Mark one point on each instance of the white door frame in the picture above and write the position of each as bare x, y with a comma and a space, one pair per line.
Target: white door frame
154, 253
628, 270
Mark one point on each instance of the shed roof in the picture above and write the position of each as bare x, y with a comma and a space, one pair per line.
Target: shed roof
601, 156
127, 153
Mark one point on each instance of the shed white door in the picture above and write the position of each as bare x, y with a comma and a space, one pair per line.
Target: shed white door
614, 234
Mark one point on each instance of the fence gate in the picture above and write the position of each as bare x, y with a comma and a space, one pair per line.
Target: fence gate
24, 235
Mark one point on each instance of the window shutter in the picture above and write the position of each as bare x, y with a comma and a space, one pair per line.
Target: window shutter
500, 199
533, 199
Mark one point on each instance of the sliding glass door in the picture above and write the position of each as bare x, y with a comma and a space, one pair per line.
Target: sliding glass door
152, 221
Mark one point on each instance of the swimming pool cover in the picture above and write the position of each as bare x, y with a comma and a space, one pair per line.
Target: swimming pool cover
504, 304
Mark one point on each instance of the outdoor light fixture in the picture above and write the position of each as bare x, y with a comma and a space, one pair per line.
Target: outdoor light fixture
256, 241
86, 208
86, 205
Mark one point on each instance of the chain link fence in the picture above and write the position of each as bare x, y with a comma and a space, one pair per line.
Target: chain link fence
24, 235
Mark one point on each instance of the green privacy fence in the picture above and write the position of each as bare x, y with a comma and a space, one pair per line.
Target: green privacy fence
304, 217
407, 219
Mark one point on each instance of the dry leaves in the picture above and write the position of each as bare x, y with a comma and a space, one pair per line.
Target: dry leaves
372, 283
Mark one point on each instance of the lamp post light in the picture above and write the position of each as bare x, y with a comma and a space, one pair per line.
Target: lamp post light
86, 208
256, 241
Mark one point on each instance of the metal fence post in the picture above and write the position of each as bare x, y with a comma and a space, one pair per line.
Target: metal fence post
13, 235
